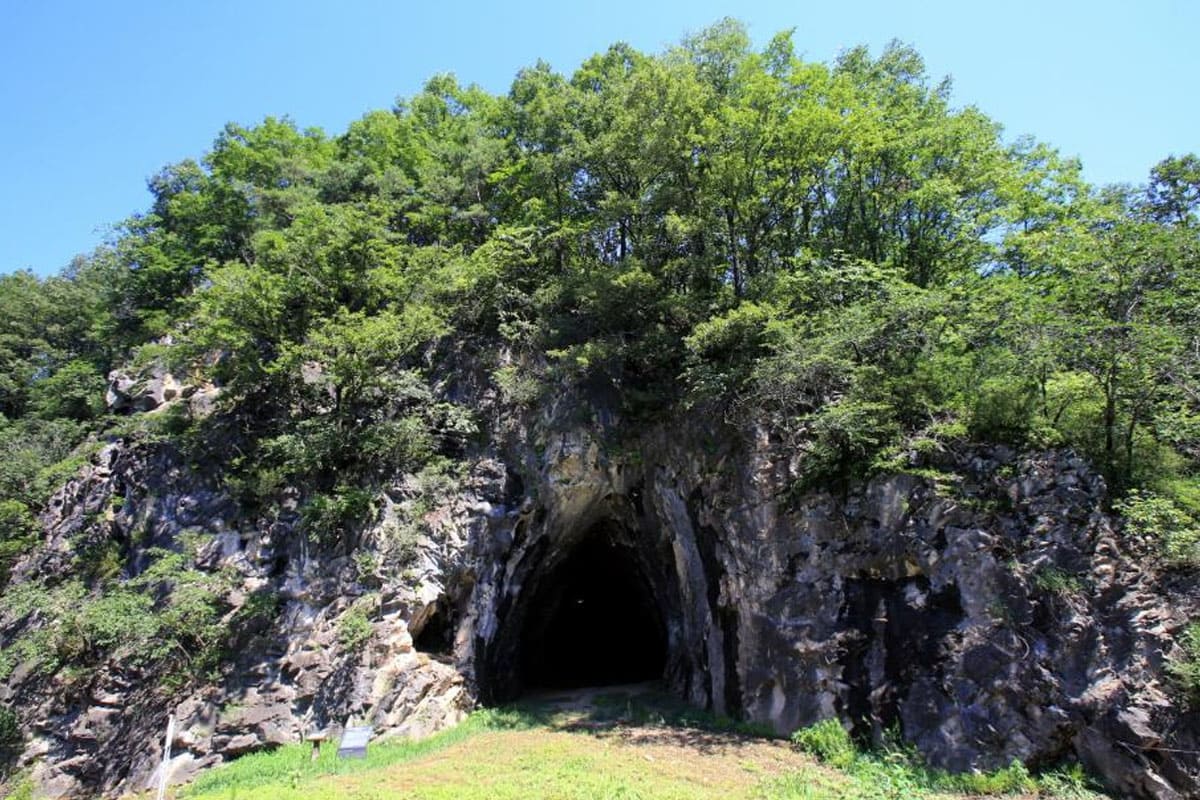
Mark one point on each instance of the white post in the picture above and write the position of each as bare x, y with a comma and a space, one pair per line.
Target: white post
166, 759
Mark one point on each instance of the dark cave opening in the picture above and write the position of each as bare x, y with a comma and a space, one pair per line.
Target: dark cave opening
593, 621
436, 636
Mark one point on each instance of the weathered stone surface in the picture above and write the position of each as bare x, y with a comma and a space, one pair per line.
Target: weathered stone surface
901, 602
143, 392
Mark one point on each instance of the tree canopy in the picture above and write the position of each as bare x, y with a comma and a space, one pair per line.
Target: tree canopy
835, 251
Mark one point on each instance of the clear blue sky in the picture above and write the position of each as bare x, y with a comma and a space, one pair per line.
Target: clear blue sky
97, 96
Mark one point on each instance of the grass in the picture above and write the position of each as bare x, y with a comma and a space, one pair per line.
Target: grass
896, 772
292, 766
612, 745
629, 706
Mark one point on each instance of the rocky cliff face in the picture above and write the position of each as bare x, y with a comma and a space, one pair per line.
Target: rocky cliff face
984, 605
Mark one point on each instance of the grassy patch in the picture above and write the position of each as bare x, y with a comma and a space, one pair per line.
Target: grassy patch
632, 706
618, 745
897, 773
1056, 581
497, 756
292, 766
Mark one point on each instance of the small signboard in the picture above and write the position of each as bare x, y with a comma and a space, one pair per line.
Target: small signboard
354, 742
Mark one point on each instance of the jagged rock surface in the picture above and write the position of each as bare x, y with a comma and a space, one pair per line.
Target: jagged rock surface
986, 606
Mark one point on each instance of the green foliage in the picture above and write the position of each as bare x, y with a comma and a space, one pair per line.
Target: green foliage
354, 627
100, 562
21, 788
895, 772
837, 251
331, 517
366, 565
10, 732
1160, 519
518, 386
1002, 410
723, 349
1069, 782
75, 391
120, 618
190, 633
36, 456
845, 437
1184, 669
1053, 580
828, 741
53, 353
260, 608
837, 255
169, 616
17, 529
292, 763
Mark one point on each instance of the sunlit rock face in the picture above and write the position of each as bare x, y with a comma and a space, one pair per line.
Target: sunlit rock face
576, 555
905, 604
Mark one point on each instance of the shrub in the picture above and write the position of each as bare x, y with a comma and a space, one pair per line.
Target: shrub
846, 437
354, 628
260, 608
828, 741
1002, 410
36, 457
99, 562
20, 788
366, 563
10, 732
75, 391
518, 386
723, 350
1153, 516
16, 534
1053, 580
327, 518
1185, 669
120, 618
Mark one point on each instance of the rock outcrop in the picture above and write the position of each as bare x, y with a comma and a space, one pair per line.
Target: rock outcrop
983, 604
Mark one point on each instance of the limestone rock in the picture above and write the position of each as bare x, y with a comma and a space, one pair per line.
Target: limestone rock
901, 602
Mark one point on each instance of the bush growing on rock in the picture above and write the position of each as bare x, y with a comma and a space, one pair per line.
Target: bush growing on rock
829, 267
1185, 668
1160, 519
10, 733
354, 627
17, 530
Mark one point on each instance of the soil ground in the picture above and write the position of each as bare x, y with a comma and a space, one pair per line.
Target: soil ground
612, 743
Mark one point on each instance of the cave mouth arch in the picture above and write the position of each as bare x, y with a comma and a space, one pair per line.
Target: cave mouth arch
592, 620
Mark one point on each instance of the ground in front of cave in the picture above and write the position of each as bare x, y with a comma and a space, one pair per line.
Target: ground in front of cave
623, 742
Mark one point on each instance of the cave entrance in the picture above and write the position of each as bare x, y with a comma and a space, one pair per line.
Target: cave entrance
592, 621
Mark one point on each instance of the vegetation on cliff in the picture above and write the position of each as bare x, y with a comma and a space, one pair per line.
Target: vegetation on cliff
836, 252
835, 247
